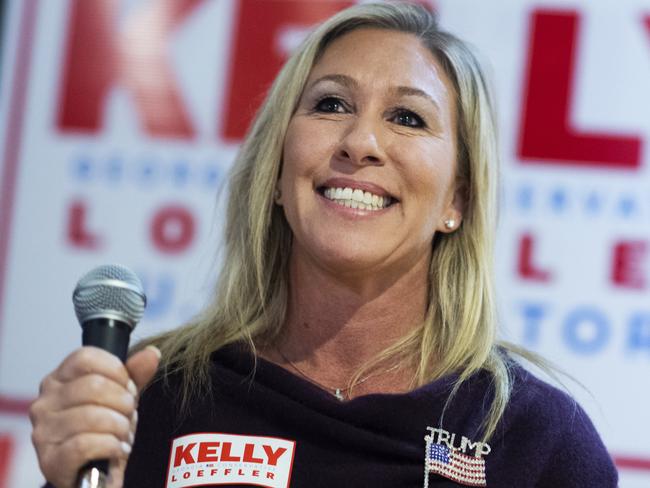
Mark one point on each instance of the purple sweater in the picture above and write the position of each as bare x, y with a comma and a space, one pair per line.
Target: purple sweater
278, 430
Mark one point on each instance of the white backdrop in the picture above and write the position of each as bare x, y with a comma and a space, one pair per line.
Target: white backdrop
119, 120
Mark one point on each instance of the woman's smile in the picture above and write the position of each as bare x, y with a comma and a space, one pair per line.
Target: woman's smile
355, 199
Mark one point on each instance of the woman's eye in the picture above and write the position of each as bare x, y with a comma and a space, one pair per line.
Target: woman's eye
408, 119
330, 105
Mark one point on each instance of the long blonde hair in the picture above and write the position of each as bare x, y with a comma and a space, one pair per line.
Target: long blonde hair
458, 334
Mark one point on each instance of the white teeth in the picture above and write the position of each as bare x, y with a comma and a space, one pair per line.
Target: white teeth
356, 198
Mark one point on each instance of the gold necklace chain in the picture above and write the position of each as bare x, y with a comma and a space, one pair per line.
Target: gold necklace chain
339, 393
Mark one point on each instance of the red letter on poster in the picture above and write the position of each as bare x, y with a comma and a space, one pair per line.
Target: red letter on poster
6, 451
98, 57
526, 267
172, 229
265, 29
546, 131
78, 234
627, 264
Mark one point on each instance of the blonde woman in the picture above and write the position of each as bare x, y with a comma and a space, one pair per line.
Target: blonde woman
352, 339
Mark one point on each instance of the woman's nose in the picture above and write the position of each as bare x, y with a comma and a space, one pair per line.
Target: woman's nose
361, 142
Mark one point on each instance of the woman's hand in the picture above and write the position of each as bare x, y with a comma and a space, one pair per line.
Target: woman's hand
86, 410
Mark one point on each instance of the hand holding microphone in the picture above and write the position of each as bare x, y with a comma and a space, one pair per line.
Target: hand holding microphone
85, 411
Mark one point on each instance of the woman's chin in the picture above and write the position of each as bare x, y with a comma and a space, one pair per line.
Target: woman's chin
350, 260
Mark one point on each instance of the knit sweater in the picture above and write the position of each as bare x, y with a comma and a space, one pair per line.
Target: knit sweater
275, 429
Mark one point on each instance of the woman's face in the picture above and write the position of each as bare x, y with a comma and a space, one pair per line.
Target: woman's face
369, 159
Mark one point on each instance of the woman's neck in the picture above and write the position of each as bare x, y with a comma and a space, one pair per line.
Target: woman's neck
334, 326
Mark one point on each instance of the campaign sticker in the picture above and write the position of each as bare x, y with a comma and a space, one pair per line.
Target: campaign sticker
211, 458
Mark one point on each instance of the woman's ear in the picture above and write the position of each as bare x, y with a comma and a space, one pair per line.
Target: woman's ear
453, 215
277, 193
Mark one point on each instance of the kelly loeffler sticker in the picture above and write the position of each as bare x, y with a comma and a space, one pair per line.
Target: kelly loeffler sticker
212, 458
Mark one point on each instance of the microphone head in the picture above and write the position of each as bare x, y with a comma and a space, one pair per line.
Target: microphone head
110, 291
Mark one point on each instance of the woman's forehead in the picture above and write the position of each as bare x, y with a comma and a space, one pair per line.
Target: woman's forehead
384, 58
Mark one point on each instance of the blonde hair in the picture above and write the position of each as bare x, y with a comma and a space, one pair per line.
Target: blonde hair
458, 334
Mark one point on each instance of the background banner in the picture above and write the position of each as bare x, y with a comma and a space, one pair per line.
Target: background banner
119, 120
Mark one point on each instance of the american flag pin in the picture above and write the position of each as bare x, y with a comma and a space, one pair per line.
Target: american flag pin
452, 464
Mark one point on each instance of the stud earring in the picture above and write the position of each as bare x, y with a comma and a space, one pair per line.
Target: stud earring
450, 223
277, 194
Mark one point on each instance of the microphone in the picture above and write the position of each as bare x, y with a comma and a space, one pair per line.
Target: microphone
108, 302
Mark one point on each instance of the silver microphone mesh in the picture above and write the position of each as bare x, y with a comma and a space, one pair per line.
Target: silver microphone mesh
109, 291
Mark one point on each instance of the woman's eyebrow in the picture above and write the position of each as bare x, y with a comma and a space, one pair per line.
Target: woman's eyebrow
351, 83
344, 80
416, 92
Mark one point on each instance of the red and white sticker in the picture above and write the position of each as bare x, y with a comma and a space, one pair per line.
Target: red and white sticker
212, 458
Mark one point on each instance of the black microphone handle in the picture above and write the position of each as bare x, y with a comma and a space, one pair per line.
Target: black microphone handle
108, 334
112, 336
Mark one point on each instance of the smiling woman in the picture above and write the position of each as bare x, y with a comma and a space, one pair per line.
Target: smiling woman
352, 337
376, 128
